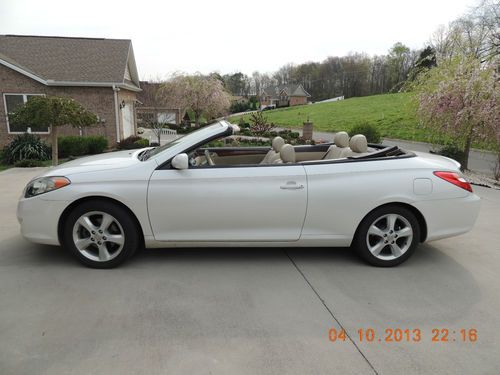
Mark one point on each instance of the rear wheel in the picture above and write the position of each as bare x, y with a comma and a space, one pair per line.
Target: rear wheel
101, 234
387, 236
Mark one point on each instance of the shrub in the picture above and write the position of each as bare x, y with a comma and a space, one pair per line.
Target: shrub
452, 151
128, 143
369, 131
132, 142
246, 132
243, 124
184, 130
240, 106
71, 146
28, 163
249, 142
96, 144
78, 146
141, 143
25, 146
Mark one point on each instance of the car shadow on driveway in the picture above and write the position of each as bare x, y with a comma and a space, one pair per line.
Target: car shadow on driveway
430, 287
430, 274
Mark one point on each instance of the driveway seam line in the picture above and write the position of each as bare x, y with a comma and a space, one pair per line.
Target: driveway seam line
330, 312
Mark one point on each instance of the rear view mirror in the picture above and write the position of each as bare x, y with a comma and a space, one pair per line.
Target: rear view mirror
180, 161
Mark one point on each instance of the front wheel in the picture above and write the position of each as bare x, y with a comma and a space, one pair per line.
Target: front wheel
100, 234
387, 236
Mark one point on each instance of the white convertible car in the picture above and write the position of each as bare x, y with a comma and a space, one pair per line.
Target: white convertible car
382, 201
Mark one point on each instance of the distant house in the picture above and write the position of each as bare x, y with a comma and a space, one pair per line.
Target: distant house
284, 96
151, 109
101, 74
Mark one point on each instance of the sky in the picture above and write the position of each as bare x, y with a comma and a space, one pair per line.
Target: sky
229, 36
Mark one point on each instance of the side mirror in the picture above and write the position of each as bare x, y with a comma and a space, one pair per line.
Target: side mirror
180, 161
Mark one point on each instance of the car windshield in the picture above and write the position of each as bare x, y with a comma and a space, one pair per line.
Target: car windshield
200, 133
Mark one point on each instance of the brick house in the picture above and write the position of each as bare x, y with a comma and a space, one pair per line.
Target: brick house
101, 74
284, 96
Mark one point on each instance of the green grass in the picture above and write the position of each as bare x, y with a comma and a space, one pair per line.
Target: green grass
392, 114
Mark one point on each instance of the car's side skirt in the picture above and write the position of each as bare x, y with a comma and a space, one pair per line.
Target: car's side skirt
310, 241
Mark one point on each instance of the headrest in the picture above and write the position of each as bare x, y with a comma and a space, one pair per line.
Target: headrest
287, 154
358, 143
278, 142
341, 139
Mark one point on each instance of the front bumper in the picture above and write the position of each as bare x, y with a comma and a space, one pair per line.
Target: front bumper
39, 219
449, 217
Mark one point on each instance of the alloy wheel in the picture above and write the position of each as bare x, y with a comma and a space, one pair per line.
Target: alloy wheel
389, 236
98, 236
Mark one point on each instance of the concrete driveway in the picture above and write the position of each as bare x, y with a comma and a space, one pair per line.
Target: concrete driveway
247, 311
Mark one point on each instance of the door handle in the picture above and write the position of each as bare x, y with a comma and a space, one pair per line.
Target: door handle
291, 185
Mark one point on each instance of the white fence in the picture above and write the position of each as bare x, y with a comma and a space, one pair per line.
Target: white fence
166, 135
167, 131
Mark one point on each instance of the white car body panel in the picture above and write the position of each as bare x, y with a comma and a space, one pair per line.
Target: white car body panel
246, 206
228, 204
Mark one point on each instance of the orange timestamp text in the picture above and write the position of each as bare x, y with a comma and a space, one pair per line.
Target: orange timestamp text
414, 335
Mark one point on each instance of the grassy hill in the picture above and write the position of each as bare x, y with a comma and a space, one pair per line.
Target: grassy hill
392, 114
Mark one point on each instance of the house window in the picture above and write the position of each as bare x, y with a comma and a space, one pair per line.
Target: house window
13, 102
166, 118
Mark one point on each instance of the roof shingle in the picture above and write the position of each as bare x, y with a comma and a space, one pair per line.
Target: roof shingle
64, 59
291, 90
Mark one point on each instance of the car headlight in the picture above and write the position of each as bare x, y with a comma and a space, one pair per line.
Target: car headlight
44, 185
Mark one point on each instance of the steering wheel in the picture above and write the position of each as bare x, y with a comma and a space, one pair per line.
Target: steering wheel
209, 158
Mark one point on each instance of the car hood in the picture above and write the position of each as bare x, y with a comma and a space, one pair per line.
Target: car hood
109, 160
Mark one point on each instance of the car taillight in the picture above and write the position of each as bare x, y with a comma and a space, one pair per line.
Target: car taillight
455, 179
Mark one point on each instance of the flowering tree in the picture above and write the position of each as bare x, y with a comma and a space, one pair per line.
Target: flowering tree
460, 98
205, 96
53, 111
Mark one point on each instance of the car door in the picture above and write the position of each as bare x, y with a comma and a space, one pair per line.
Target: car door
255, 203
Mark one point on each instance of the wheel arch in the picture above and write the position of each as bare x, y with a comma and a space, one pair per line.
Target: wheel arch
418, 215
76, 203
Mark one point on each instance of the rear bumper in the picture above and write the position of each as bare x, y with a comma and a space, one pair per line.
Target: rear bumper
39, 219
449, 217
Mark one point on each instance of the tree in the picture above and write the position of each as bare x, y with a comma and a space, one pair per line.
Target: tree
461, 99
257, 82
474, 35
151, 116
400, 61
53, 111
283, 75
259, 124
237, 84
426, 59
205, 96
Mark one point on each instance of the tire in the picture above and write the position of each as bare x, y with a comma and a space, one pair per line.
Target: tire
101, 234
387, 236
